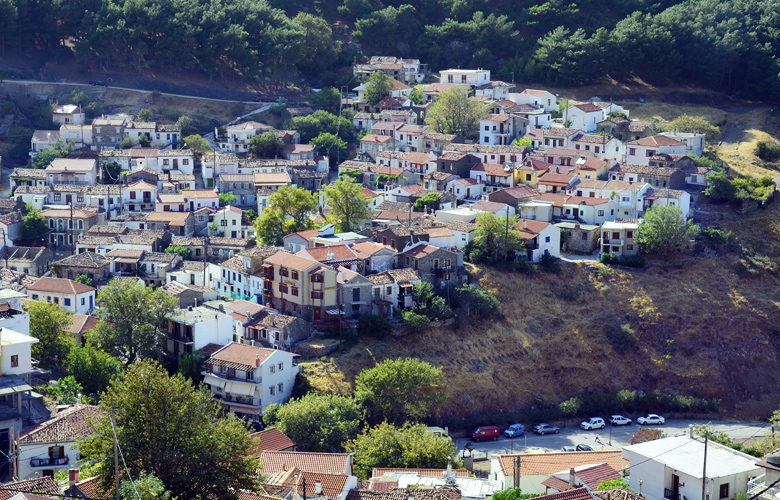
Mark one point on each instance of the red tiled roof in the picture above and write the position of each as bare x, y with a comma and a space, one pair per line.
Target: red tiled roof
291, 261
573, 494
492, 169
211, 348
272, 440
559, 485
594, 476
375, 138
92, 489
59, 285
655, 141
68, 425
340, 252
242, 354
560, 152
81, 324
551, 463
537, 93
588, 107
332, 484
44, 485
554, 179
324, 463
532, 228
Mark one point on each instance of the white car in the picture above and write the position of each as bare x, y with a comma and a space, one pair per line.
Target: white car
651, 419
619, 420
593, 423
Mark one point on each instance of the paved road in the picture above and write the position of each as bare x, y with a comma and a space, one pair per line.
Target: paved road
572, 436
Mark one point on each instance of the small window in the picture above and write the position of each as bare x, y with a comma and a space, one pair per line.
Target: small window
546, 239
35, 297
272, 368
67, 302
294, 274
724, 490
272, 390
280, 388
15, 360
83, 301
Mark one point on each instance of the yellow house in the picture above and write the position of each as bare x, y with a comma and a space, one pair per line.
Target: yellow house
300, 287
529, 172
591, 168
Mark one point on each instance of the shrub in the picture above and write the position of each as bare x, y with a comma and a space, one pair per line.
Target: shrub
373, 325
716, 236
609, 259
415, 321
767, 152
550, 264
476, 301
613, 259
622, 337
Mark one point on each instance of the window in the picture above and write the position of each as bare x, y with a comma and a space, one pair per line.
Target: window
67, 302
272, 369
294, 273
280, 388
294, 290
601, 213
165, 162
223, 222
724, 490
629, 247
81, 224
462, 78
629, 234
282, 288
281, 366
57, 196
185, 161
650, 153
283, 272
272, 390
632, 151
316, 294
316, 278
132, 195
546, 239
596, 149
83, 301
389, 290
14, 360
80, 198
356, 294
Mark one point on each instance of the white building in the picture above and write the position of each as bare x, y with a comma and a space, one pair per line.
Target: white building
239, 136
694, 143
246, 379
72, 295
674, 467
539, 98
71, 171
470, 77
52, 445
584, 116
541, 238
640, 151
618, 237
190, 329
43, 139
68, 114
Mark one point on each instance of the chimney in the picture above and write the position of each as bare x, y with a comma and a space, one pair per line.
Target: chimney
640, 487
525, 224
257, 361
571, 476
449, 467
317, 488
690, 431
73, 477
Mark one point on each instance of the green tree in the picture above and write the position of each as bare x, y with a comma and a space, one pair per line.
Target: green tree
695, 125
417, 96
454, 113
373, 325
85, 280
227, 199
415, 320
20, 135
717, 436
496, 237
79, 98
168, 429
191, 366
410, 446
185, 125
612, 484
131, 320
197, 144
720, 187
92, 368
476, 301
289, 210
348, 204
44, 158
145, 115
664, 231
318, 48
327, 99
430, 201
48, 323
34, 226
570, 408
111, 171
378, 86
522, 141
326, 142
185, 252
320, 121
398, 390
266, 145
128, 142
144, 141
67, 391
512, 494
319, 422
144, 487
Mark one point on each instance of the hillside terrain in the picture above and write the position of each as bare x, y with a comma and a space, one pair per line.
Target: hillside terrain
702, 331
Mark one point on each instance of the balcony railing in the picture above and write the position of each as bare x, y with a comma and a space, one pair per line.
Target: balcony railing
757, 485
49, 462
242, 400
226, 376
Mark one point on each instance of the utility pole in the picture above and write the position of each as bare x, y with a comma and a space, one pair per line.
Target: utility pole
704, 467
72, 245
517, 472
116, 453
506, 235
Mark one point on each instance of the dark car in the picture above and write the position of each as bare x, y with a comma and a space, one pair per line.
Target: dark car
546, 429
98, 82
256, 99
583, 447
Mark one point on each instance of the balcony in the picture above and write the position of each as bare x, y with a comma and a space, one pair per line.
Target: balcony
49, 462
757, 485
241, 400
233, 376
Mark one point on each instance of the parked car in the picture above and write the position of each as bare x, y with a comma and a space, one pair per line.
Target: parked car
593, 423
515, 430
619, 420
583, 447
567, 448
651, 419
98, 82
485, 432
534, 450
546, 429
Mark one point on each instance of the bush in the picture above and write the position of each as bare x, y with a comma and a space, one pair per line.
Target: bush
549, 264
613, 259
767, 152
622, 337
476, 301
609, 259
415, 321
373, 325
716, 236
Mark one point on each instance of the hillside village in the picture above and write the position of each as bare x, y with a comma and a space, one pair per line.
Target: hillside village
157, 215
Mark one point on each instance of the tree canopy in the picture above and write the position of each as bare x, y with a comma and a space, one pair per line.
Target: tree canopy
132, 318
348, 204
318, 48
399, 390
378, 86
495, 238
92, 368
410, 446
47, 324
317, 422
454, 113
34, 225
266, 145
197, 143
289, 210
664, 230
174, 432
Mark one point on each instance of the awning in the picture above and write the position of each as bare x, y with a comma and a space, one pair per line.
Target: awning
228, 387
248, 411
243, 389
214, 381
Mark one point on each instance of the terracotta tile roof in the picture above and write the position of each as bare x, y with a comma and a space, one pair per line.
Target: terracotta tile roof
11, 218
463, 227
438, 232
421, 251
172, 198
550, 463
339, 253
488, 206
560, 152
240, 356
593, 139
248, 495
573, 494
324, 463
532, 228
33, 173
260, 251
271, 179
211, 348
81, 324
644, 169
44, 485
588, 107
71, 165
639, 126
380, 471
229, 242
554, 179
369, 247
560, 133
92, 489
332, 484
199, 193
495, 118
272, 440
85, 259
66, 213
68, 425
375, 138
518, 192
656, 141
141, 184
59, 285
404, 275
664, 193
534, 92
173, 218
594, 476
492, 169
555, 483
306, 235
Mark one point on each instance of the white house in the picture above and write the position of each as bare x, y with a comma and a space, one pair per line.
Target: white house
229, 222
238, 136
72, 295
71, 171
68, 113
14, 317
140, 196
496, 130
246, 379
674, 197
43, 139
190, 329
15, 354
674, 466
470, 77
694, 143
52, 445
640, 151
585, 116
618, 237
541, 238
540, 98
